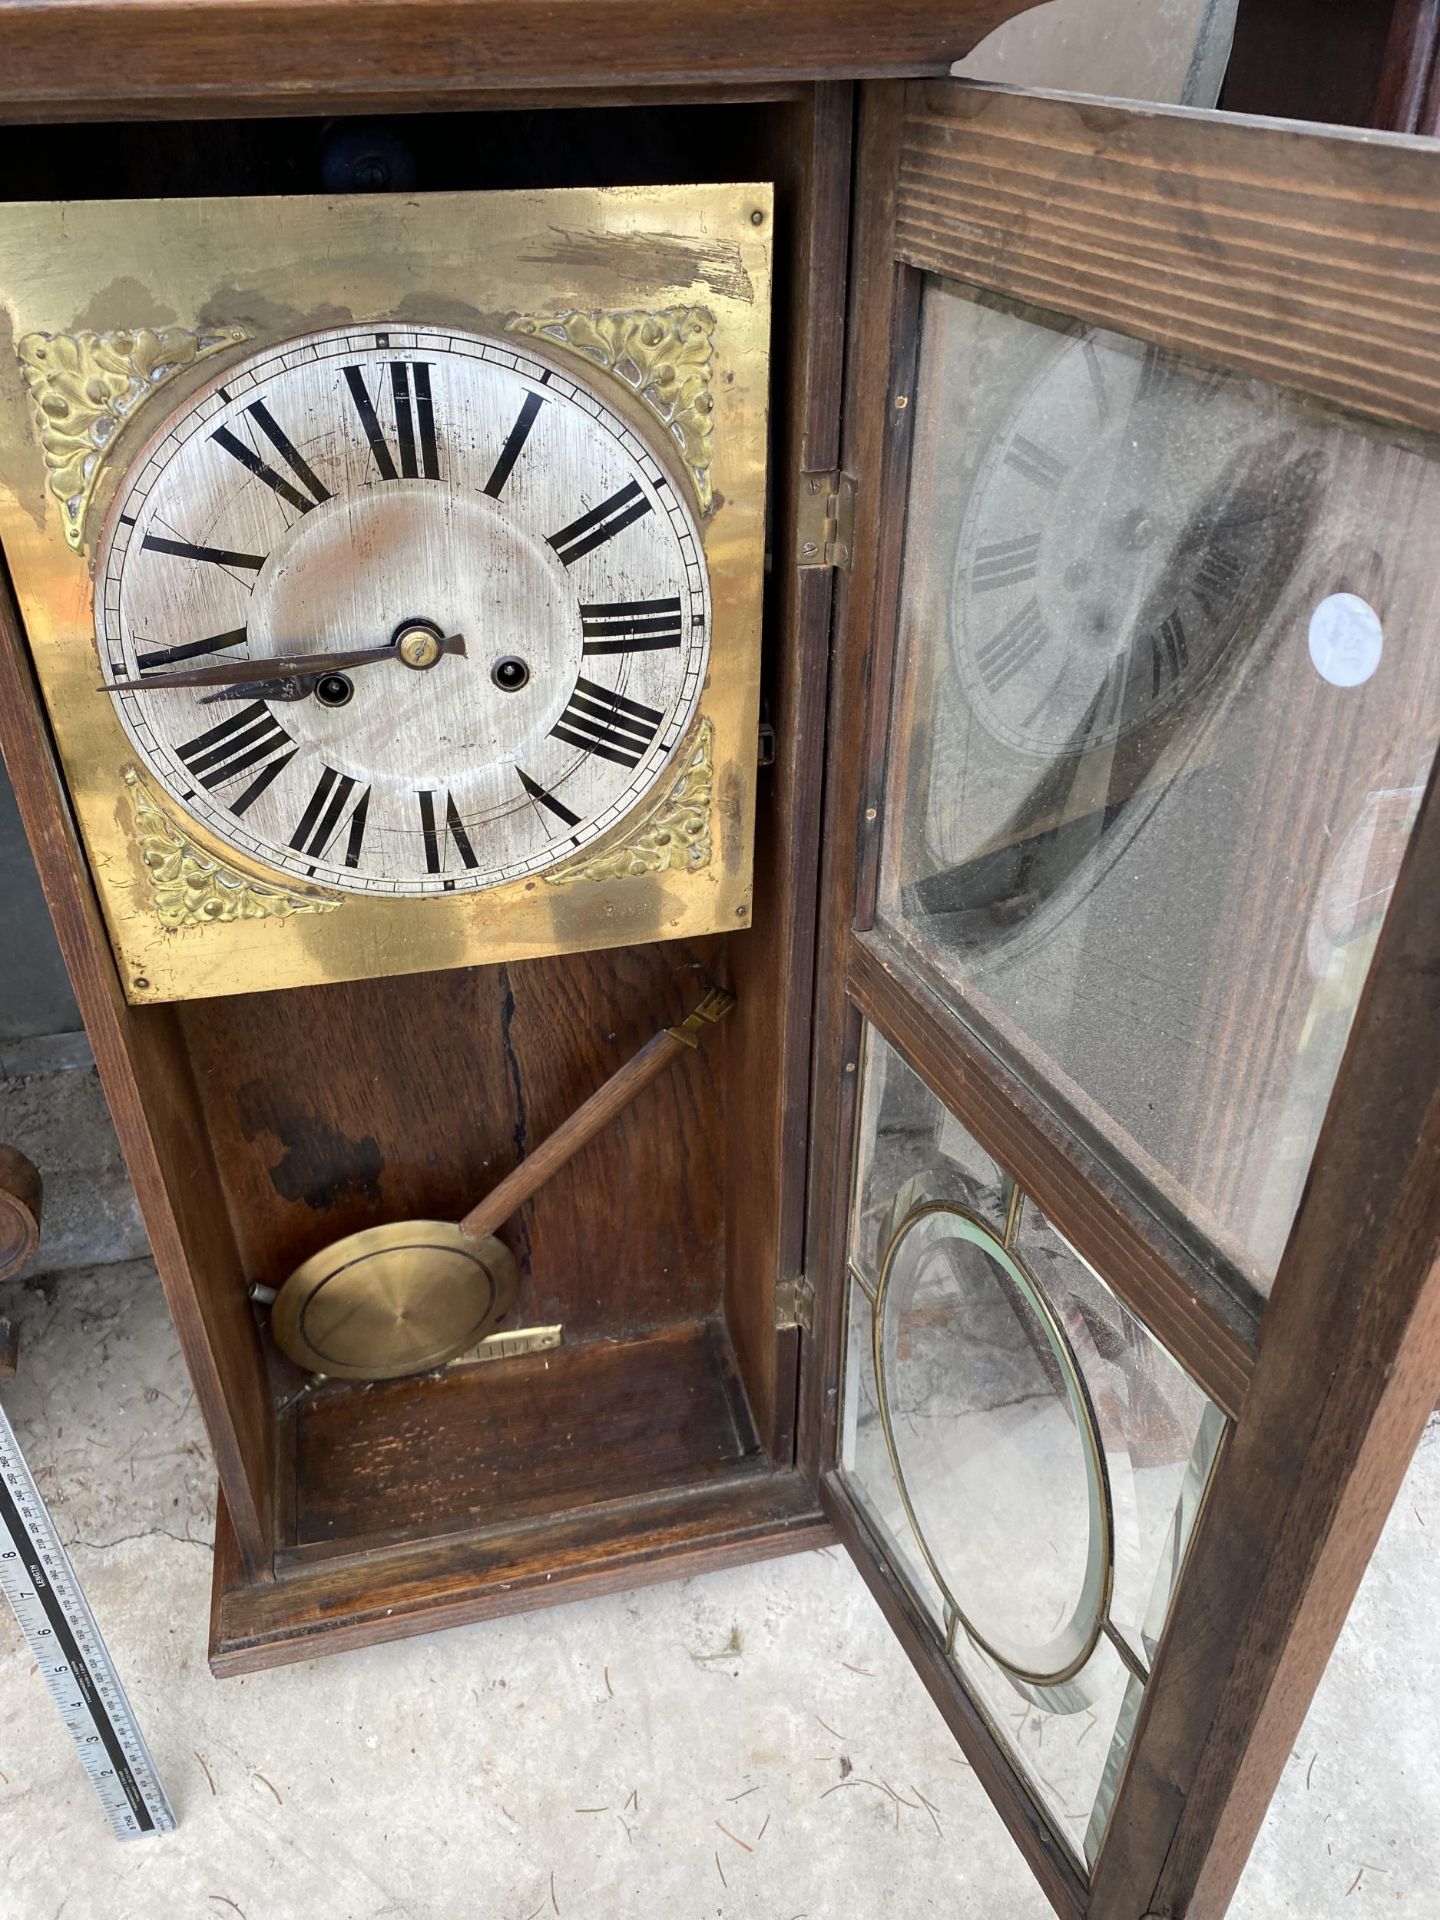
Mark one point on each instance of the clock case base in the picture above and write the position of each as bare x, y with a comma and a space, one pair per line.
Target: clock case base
662, 1436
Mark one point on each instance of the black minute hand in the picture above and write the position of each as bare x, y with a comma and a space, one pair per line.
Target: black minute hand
274, 667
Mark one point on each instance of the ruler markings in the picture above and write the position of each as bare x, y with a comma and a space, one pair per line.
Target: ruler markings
38, 1580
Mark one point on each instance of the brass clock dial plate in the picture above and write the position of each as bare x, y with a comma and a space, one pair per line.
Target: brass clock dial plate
576, 767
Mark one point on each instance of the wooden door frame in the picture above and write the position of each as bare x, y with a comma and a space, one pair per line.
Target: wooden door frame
1330, 1390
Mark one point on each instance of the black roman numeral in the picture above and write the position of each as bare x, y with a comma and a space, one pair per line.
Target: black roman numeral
1164, 376
217, 556
454, 826
1105, 714
315, 491
1169, 653
251, 737
1095, 369
189, 650
1011, 650
1036, 463
630, 626
602, 523
547, 800
510, 452
416, 452
323, 813
1008, 563
608, 724
1217, 576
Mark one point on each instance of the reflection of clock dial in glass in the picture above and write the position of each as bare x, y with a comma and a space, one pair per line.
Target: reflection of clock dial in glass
358, 491
1117, 529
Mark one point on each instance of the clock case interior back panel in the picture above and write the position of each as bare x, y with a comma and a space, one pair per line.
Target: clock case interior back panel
262, 1126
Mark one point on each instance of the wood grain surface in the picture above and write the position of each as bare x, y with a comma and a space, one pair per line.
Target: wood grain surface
773, 965
1347, 1374
514, 1440
85, 59
20, 1206
1408, 96
627, 1082
342, 1107
336, 1606
866, 419
1308, 262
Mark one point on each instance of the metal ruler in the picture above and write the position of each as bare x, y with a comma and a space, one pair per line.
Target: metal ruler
38, 1580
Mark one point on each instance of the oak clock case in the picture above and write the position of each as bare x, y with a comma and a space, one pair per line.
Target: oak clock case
517, 532
901, 1249
396, 606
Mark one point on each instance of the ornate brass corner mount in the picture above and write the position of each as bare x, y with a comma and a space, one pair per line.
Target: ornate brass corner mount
191, 887
667, 358
85, 386
673, 837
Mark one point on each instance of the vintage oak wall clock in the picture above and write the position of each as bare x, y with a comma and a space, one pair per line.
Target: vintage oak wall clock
740, 792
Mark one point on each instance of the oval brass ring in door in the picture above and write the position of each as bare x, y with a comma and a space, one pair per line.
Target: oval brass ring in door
995, 1445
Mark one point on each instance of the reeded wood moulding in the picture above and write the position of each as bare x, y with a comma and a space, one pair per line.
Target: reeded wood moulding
172, 59
1162, 224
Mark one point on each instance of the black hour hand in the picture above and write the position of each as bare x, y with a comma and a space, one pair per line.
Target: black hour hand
292, 687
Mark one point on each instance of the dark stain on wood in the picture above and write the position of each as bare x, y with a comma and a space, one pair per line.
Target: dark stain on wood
320, 1166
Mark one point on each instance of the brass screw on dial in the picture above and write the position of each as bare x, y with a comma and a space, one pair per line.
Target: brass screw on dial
417, 646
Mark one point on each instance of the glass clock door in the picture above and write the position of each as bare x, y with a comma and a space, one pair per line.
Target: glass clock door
1132, 1017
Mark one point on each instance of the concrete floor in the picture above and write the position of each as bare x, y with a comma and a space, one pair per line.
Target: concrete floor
748, 1745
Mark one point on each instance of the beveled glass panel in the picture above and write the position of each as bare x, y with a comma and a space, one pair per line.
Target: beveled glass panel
1029, 1458
911, 1150
865, 1460
1158, 1430
995, 1444
1167, 694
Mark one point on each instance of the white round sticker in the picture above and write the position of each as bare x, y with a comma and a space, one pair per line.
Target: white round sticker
1345, 639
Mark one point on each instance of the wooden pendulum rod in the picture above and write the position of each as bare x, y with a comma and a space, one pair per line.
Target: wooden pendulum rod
598, 1111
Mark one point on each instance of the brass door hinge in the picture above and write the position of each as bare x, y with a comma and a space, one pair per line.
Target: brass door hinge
795, 1304
827, 520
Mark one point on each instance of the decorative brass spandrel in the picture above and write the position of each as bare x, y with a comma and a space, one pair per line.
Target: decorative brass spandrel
674, 837
85, 386
271, 269
667, 358
191, 887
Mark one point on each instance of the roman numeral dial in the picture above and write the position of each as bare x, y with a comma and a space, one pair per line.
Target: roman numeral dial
1119, 521
409, 613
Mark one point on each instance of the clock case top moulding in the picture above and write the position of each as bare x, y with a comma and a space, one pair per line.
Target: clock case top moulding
120, 312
